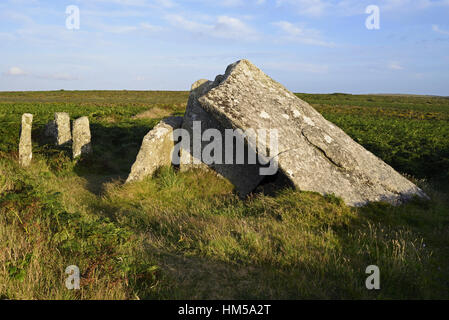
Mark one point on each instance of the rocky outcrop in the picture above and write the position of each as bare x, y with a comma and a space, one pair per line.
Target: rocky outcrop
314, 154
81, 137
157, 149
25, 144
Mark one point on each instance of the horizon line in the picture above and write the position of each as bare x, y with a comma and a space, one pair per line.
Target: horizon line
319, 93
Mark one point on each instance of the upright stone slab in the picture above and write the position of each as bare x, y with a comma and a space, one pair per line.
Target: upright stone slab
25, 144
156, 150
62, 123
81, 137
245, 177
59, 129
313, 153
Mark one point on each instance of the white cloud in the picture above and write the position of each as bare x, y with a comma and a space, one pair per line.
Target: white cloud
231, 3
395, 66
15, 71
294, 33
6, 36
306, 7
16, 17
289, 28
438, 30
223, 27
24, 1
318, 8
123, 2
413, 4
137, 3
293, 66
165, 3
115, 13
117, 29
232, 28
179, 21
150, 27
60, 76
124, 29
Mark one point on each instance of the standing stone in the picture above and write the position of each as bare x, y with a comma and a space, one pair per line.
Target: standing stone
314, 154
62, 123
157, 149
81, 137
25, 144
59, 129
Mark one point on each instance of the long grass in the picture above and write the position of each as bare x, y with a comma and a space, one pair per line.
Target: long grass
186, 235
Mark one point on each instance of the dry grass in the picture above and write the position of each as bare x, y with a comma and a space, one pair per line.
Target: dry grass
154, 113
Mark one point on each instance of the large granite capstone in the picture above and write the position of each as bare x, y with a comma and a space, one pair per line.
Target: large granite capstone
314, 154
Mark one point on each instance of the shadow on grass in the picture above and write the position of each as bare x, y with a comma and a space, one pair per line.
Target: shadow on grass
407, 243
114, 151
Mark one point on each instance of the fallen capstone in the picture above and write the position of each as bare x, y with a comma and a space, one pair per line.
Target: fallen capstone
314, 154
59, 129
81, 144
244, 176
156, 150
25, 144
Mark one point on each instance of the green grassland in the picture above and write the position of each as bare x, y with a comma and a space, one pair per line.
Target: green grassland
188, 236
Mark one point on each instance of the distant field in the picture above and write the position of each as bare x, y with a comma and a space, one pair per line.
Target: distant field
188, 236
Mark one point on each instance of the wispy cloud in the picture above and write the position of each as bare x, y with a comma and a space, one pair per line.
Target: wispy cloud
223, 27
306, 7
395, 66
297, 67
165, 3
123, 29
318, 8
58, 76
438, 30
136, 3
7, 35
231, 3
15, 71
121, 2
295, 33
16, 17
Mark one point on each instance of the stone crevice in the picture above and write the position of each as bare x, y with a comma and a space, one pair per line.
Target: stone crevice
323, 152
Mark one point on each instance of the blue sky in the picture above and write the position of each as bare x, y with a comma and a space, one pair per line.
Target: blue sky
314, 46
